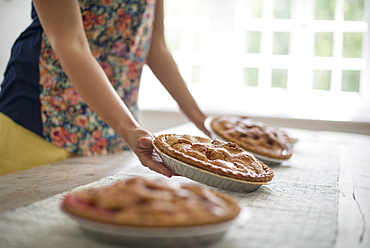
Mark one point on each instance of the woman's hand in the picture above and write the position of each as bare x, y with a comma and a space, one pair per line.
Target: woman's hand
200, 125
140, 142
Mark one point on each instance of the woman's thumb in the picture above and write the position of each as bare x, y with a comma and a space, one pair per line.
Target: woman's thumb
145, 142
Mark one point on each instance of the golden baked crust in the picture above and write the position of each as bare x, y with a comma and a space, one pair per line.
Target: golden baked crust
253, 136
148, 203
222, 158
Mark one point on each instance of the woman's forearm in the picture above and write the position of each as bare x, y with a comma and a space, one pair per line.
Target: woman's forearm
62, 23
95, 89
164, 67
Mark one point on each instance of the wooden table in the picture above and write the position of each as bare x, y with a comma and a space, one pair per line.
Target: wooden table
321, 197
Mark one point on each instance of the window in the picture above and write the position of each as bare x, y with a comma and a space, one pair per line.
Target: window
278, 58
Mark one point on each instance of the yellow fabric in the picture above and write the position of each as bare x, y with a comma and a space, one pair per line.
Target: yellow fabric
21, 149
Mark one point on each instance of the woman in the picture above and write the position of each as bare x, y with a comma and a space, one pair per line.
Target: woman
72, 82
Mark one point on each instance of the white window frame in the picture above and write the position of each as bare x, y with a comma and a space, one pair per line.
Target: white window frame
220, 92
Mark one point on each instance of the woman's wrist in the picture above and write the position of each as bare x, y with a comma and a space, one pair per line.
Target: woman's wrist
128, 132
132, 135
199, 119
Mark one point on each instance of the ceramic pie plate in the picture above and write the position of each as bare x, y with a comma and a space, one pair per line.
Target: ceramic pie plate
150, 237
207, 177
264, 159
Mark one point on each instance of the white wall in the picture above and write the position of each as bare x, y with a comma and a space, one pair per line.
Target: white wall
15, 16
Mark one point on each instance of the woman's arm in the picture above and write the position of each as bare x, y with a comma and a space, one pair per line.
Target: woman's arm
62, 23
164, 67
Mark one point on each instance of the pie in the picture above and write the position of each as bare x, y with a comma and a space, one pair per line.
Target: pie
253, 136
141, 202
219, 157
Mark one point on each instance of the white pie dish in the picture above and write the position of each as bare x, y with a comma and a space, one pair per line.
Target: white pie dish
207, 177
264, 159
150, 237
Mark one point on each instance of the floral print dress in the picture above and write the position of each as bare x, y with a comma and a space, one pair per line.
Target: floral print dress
119, 33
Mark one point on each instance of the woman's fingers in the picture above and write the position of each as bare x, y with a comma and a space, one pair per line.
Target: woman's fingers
149, 158
153, 162
146, 142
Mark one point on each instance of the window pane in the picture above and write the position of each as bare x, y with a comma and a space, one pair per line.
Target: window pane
279, 78
173, 39
281, 43
324, 9
351, 81
173, 7
254, 8
321, 80
200, 8
324, 44
253, 39
196, 74
354, 10
251, 76
198, 40
352, 45
282, 9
